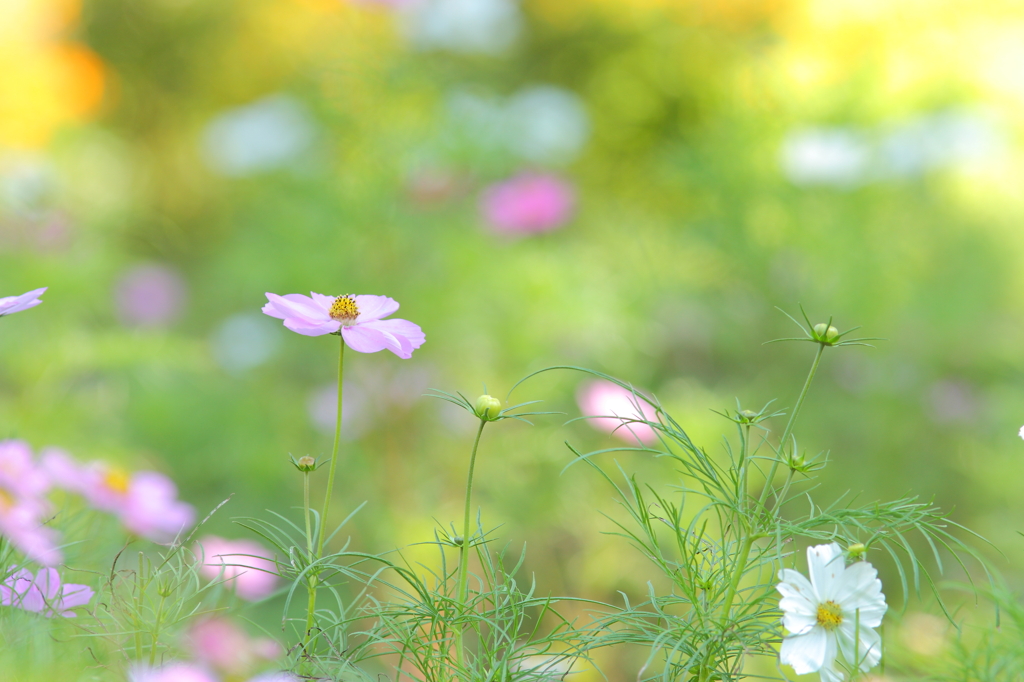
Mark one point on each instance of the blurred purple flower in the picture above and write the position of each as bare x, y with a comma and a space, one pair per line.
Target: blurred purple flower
23, 507
528, 203
15, 304
150, 296
172, 672
614, 407
222, 645
43, 593
146, 502
241, 564
356, 317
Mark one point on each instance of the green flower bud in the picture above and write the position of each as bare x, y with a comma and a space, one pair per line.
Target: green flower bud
747, 416
304, 464
857, 550
824, 333
488, 407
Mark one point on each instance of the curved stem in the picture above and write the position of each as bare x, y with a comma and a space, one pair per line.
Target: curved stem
789, 425
463, 584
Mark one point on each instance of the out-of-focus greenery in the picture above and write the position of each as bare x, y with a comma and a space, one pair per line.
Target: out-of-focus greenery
689, 232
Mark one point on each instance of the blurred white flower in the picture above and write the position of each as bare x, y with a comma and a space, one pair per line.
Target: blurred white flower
244, 341
1021, 432
26, 181
546, 124
261, 136
481, 26
839, 157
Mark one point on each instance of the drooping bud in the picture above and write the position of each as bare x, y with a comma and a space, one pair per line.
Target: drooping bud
488, 407
825, 333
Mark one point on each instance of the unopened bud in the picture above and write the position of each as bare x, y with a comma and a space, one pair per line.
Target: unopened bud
457, 540
747, 416
857, 550
488, 407
824, 333
305, 463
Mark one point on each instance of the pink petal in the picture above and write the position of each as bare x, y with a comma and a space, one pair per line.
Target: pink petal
298, 307
312, 329
408, 335
374, 307
72, 595
15, 304
48, 582
364, 339
323, 301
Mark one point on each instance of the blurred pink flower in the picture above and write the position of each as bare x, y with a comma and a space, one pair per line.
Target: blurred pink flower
43, 593
613, 407
242, 564
149, 296
146, 502
15, 304
172, 672
222, 645
23, 507
528, 203
356, 317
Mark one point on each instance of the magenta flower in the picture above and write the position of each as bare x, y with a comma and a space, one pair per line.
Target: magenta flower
146, 502
613, 407
356, 317
225, 647
528, 203
15, 304
43, 593
23, 507
242, 564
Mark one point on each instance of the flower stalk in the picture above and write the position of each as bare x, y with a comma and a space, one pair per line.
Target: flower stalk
463, 583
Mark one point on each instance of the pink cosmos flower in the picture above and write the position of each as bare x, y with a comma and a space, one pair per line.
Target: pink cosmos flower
614, 406
150, 296
43, 593
225, 647
528, 203
15, 304
146, 502
23, 507
242, 564
356, 317
172, 672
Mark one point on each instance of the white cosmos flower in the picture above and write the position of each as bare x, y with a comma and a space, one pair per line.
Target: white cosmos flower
837, 610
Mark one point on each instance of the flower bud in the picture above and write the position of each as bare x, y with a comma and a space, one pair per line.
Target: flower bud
488, 407
305, 464
747, 416
857, 550
824, 333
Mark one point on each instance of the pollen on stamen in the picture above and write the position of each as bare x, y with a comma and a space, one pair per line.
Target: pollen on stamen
344, 309
830, 615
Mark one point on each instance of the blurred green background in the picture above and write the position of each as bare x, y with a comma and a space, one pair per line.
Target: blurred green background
165, 163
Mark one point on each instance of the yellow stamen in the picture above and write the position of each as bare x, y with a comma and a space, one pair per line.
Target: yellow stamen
117, 480
830, 615
344, 309
6, 501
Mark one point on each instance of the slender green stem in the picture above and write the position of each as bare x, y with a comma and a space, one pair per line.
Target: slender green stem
744, 455
156, 630
140, 588
738, 571
334, 453
463, 585
322, 526
311, 585
789, 426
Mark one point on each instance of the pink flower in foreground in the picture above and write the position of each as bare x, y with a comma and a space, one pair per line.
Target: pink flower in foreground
15, 304
23, 507
528, 203
172, 672
146, 502
614, 407
43, 593
356, 317
242, 564
222, 645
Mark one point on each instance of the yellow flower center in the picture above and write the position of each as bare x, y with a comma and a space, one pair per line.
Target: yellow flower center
6, 501
117, 480
344, 310
830, 615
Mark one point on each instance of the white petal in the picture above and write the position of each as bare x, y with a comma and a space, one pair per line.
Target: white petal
866, 652
796, 622
825, 564
805, 653
860, 589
